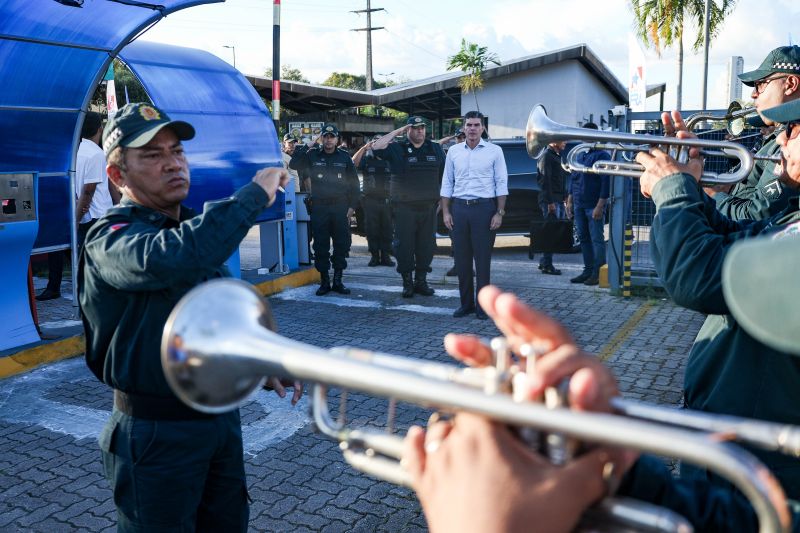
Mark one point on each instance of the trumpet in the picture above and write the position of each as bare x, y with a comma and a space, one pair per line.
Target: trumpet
735, 118
541, 131
217, 350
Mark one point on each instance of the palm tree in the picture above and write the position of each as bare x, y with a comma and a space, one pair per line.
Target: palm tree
661, 23
471, 59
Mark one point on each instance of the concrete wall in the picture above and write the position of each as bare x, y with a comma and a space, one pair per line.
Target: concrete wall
568, 91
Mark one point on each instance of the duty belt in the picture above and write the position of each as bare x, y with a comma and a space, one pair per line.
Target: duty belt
155, 407
328, 201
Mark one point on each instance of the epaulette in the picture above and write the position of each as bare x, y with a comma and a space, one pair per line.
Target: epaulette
120, 211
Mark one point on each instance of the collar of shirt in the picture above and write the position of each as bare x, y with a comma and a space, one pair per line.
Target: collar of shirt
155, 217
481, 143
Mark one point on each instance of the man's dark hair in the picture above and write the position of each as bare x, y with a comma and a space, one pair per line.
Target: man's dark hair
473, 114
590, 126
91, 124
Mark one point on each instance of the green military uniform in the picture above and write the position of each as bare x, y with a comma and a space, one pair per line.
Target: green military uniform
376, 175
762, 194
164, 459
728, 371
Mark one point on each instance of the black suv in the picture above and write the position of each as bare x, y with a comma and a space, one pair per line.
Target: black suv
522, 204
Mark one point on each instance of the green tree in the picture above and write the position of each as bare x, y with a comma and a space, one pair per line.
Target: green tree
661, 24
472, 60
288, 73
345, 80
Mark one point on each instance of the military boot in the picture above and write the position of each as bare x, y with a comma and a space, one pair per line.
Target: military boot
386, 260
338, 286
408, 285
375, 261
324, 284
421, 284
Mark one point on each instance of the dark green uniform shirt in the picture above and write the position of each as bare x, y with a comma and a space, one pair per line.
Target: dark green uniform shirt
136, 264
728, 371
761, 195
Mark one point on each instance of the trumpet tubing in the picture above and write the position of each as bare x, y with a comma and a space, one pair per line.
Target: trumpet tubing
216, 351
541, 131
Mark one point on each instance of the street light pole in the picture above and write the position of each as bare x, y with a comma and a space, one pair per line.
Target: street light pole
233, 48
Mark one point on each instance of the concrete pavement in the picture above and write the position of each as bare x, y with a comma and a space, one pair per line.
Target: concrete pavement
50, 472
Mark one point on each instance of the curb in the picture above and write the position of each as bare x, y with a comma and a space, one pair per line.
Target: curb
49, 352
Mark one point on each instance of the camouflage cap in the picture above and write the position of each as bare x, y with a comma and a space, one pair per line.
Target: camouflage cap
136, 124
416, 122
782, 59
757, 283
289, 137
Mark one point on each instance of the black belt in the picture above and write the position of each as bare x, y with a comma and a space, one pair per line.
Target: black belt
474, 201
155, 407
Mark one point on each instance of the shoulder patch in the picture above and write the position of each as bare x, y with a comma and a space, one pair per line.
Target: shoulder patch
772, 189
115, 227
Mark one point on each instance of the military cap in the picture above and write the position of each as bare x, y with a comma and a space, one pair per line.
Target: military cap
757, 283
460, 132
329, 129
755, 121
136, 124
782, 59
784, 113
416, 122
289, 137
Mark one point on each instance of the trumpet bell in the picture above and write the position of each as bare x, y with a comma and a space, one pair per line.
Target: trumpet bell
198, 345
536, 139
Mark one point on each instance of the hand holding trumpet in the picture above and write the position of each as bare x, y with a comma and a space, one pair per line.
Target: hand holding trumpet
454, 459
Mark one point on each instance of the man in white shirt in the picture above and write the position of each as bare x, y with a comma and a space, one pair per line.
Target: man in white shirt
474, 191
94, 192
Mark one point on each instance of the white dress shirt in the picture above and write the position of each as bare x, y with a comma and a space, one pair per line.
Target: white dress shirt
471, 173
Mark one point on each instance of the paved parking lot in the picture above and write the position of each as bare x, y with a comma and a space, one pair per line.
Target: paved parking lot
50, 474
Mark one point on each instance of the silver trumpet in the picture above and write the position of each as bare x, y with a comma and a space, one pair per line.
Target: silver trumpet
541, 131
217, 350
735, 118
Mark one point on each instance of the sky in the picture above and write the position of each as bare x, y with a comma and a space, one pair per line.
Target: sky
419, 36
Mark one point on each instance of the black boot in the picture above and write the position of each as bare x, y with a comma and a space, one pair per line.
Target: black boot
408, 285
421, 284
324, 284
386, 260
338, 286
375, 261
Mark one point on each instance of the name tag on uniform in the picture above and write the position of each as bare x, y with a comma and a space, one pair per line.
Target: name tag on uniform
412, 159
431, 158
339, 165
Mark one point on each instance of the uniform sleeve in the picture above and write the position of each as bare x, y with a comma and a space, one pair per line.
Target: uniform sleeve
132, 255
448, 177
442, 158
299, 161
748, 200
353, 185
500, 174
689, 240
707, 507
545, 179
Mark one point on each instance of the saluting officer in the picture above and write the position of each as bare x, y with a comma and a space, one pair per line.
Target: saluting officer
418, 165
376, 174
333, 183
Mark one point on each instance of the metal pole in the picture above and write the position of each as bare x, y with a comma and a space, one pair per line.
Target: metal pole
369, 47
706, 20
276, 65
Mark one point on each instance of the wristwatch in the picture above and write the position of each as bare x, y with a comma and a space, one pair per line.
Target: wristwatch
501, 212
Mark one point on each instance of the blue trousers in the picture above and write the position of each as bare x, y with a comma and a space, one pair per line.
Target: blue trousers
472, 241
176, 476
593, 246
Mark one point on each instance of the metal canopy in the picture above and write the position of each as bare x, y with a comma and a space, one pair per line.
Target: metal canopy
52, 57
433, 98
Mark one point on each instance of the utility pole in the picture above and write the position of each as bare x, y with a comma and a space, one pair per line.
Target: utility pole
706, 44
369, 29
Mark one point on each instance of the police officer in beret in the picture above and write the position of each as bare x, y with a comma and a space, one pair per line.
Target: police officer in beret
333, 183
171, 468
729, 371
417, 164
762, 194
376, 175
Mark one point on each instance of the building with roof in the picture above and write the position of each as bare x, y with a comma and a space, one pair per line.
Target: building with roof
573, 84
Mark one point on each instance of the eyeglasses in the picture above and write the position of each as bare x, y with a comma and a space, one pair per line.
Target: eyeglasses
761, 86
